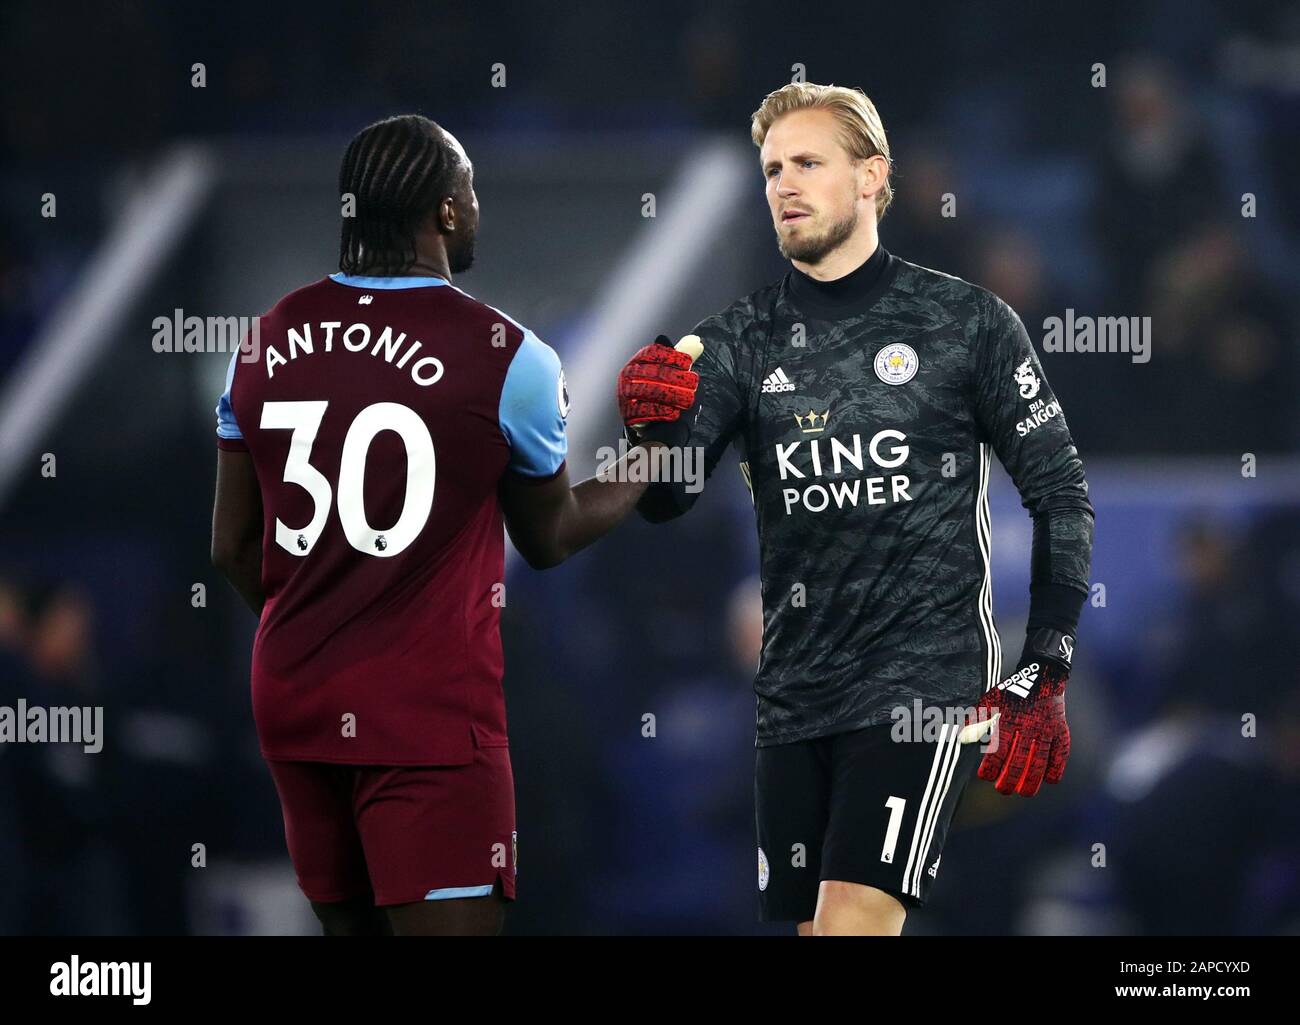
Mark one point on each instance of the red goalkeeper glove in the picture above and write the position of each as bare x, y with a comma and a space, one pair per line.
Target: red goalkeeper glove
1030, 741
657, 385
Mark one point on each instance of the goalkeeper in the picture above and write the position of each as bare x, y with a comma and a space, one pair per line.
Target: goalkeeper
865, 397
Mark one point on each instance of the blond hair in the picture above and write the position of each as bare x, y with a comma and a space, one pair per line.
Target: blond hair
861, 131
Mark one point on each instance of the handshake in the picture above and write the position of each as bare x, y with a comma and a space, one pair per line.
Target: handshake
656, 386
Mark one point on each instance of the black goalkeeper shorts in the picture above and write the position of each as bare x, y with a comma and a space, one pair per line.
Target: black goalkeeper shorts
858, 807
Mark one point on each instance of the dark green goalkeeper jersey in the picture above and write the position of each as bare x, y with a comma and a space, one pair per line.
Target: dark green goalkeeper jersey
865, 427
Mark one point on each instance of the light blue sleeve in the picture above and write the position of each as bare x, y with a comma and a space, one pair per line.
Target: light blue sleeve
226, 425
534, 405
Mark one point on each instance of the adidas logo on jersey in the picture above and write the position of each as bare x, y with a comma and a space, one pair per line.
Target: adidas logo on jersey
776, 381
1023, 682
934, 869
365, 300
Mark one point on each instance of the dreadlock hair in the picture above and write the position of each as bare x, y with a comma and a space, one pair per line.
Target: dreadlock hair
399, 170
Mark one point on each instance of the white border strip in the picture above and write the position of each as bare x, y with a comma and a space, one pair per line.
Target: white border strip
1211, 480
669, 250
39, 386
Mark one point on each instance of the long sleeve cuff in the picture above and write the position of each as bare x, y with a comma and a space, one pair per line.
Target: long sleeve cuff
1055, 606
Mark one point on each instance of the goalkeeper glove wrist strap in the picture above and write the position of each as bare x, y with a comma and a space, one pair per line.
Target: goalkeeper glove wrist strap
1045, 644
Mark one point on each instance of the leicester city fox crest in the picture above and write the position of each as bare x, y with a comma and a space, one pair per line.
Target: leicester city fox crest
896, 363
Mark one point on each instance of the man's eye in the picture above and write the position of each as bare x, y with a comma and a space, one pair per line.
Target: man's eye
810, 163
771, 171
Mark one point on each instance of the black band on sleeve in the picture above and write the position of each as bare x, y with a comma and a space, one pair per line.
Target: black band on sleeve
1055, 606
662, 501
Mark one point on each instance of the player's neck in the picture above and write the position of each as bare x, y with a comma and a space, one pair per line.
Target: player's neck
852, 254
430, 262
429, 265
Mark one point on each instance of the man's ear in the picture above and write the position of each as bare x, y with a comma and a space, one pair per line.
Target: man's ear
860, 176
863, 169
446, 216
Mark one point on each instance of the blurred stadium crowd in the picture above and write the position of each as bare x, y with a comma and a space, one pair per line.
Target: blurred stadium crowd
1125, 201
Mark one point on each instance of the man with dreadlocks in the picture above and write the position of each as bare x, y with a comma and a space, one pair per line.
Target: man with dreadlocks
365, 464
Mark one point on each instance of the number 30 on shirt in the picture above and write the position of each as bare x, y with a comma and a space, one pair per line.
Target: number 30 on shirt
304, 419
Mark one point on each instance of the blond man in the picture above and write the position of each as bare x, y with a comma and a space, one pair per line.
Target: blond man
865, 396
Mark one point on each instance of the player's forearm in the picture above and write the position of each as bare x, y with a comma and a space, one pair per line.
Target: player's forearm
1062, 548
551, 521
596, 506
1059, 570
243, 569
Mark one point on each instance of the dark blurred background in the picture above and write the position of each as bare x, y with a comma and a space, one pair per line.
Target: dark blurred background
1168, 192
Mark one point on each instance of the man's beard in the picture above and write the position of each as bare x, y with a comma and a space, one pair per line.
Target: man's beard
461, 258
814, 250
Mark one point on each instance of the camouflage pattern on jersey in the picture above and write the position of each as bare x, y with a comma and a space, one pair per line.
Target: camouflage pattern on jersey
865, 437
